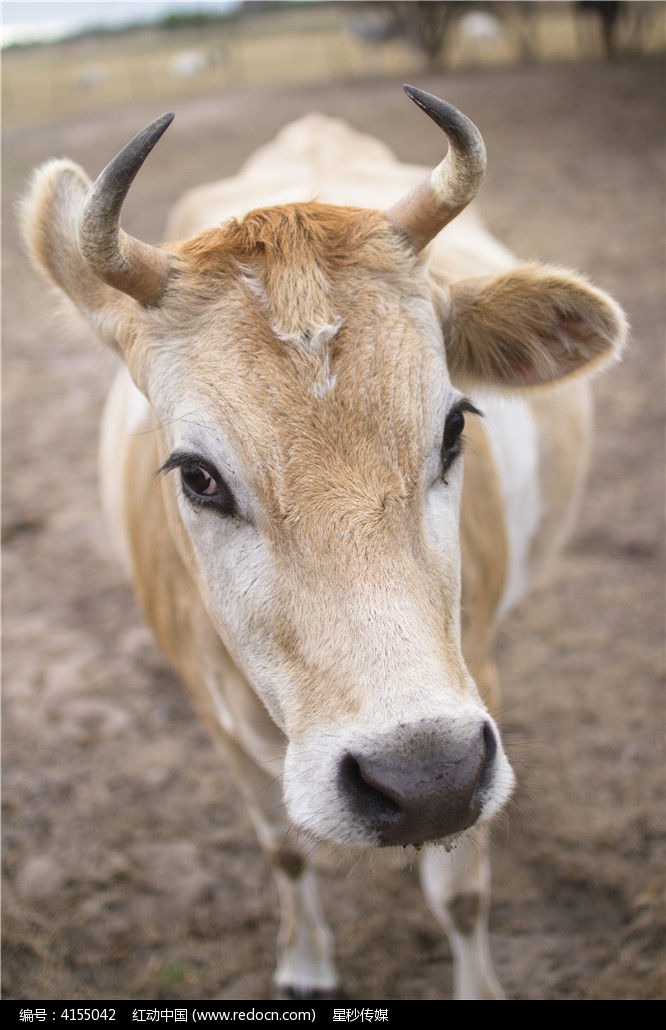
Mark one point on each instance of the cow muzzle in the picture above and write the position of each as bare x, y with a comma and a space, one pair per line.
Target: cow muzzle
420, 789
420, 782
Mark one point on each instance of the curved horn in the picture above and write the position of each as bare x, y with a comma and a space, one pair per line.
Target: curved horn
452, 185
116, 257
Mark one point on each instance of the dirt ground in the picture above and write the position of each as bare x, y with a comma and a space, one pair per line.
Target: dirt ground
130, 869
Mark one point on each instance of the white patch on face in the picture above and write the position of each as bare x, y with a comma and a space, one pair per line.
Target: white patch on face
442, 512
317, 343
235, 569
513, 435
321, 388
313, 340
318, 804
442, 506
250, 279
238, 587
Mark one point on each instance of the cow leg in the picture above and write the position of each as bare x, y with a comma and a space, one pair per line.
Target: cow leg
305, 966
456, 885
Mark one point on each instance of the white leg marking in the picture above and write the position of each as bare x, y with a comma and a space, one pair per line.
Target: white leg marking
305, 945
304, 951
457, 888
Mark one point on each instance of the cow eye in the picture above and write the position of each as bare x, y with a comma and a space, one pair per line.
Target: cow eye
453, 429
199, 482
202, 485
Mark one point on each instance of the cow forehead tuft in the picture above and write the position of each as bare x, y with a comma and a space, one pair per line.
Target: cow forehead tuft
304, 271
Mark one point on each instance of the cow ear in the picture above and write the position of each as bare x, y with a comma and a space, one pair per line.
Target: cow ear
530, 326
51, 215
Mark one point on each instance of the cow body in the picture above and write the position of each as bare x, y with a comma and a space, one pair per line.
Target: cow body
323, 579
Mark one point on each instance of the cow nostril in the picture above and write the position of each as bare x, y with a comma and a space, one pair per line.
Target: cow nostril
490, 751
369, 801
490, 740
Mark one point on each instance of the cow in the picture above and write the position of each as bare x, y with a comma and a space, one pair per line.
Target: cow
306, 369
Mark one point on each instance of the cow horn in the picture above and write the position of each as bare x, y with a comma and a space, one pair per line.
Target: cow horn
421, 214
136, 268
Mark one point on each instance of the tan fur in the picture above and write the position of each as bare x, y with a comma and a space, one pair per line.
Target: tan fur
551, 307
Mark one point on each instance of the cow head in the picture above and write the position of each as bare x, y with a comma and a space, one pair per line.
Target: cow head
306, 371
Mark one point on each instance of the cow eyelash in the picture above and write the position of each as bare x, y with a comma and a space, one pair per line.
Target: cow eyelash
201, 483
452, 440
